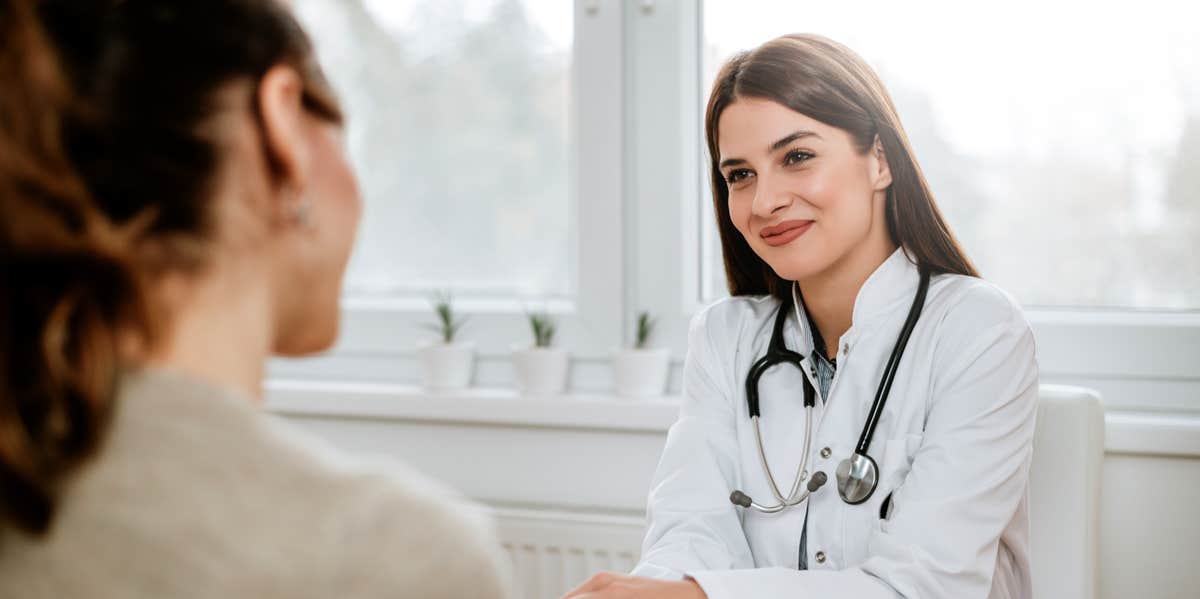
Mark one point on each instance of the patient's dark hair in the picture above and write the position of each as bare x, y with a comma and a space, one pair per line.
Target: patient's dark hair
106, 177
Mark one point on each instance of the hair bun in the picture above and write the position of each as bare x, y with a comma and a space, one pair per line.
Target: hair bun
68, 284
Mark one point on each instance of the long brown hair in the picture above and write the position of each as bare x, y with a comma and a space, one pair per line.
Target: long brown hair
105, 180
828, 82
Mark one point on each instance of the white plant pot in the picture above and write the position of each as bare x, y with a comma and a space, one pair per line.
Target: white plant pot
541, 371
642, 372
447, 367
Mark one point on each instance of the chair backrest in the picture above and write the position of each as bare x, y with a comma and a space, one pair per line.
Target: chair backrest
1064, 492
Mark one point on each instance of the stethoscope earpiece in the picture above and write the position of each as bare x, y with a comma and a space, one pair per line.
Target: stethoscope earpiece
741, 499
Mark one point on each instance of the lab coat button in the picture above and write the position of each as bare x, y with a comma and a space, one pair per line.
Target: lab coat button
820, 557
826, 452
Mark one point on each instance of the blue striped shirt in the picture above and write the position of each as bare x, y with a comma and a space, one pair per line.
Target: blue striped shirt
824, 375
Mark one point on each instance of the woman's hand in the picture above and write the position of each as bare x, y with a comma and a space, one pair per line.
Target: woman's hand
608, 585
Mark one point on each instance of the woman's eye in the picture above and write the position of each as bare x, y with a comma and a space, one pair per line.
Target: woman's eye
796, 157
737, 175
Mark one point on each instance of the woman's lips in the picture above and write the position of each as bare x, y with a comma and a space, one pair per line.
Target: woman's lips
785, 232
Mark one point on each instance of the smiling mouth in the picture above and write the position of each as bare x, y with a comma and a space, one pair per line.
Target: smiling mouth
786, 232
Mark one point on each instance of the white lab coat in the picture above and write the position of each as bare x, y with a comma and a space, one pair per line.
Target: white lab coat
953, 448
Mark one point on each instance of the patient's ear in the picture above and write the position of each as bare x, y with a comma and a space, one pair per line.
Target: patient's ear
280, 102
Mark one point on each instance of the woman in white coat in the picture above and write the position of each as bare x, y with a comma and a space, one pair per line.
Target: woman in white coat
826, 219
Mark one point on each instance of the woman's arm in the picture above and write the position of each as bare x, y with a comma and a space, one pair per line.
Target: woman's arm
692, 524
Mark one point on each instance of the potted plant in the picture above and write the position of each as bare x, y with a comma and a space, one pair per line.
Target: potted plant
642, 371
541, 369
446, 363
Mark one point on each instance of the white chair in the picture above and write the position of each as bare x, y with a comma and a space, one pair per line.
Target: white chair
1064, 493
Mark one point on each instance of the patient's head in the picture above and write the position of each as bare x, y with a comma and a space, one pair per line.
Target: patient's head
210, 121
148, 147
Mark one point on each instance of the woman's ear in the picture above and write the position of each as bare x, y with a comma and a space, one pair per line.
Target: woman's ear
280, 102
881, 172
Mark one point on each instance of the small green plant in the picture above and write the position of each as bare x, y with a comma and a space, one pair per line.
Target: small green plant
645, 328
448, 322
543, 329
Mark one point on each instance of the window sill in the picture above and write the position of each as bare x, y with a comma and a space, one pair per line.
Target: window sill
1126, 432
489, 407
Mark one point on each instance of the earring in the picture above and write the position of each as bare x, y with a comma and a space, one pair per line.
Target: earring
302, 213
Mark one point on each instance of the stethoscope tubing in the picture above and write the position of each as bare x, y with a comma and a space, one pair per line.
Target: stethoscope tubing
893, 364
777, 353
801, 471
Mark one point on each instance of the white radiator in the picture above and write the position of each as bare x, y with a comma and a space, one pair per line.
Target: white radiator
555, 551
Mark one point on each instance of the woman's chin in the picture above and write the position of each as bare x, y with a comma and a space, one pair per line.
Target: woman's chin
312, 338
795, 261
796, 270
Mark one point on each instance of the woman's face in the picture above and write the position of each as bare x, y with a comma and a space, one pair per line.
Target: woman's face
293, 230
800, 192
316, 252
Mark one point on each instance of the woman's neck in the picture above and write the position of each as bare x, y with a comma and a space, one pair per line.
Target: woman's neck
829, 295
219, 330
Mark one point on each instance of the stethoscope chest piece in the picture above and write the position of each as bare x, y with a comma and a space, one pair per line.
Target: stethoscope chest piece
857, 477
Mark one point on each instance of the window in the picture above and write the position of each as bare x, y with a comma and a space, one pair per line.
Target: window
1061, 138
487, 140
547, 153
1056, 135
459, 127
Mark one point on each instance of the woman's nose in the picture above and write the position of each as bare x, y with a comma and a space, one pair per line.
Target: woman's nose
769, 197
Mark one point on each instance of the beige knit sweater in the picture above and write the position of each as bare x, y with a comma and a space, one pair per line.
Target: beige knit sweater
196, 493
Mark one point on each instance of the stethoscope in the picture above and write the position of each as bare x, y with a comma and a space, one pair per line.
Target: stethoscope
857, 475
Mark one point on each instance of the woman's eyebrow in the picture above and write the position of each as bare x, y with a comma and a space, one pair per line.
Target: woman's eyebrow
801, 134
775, 147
